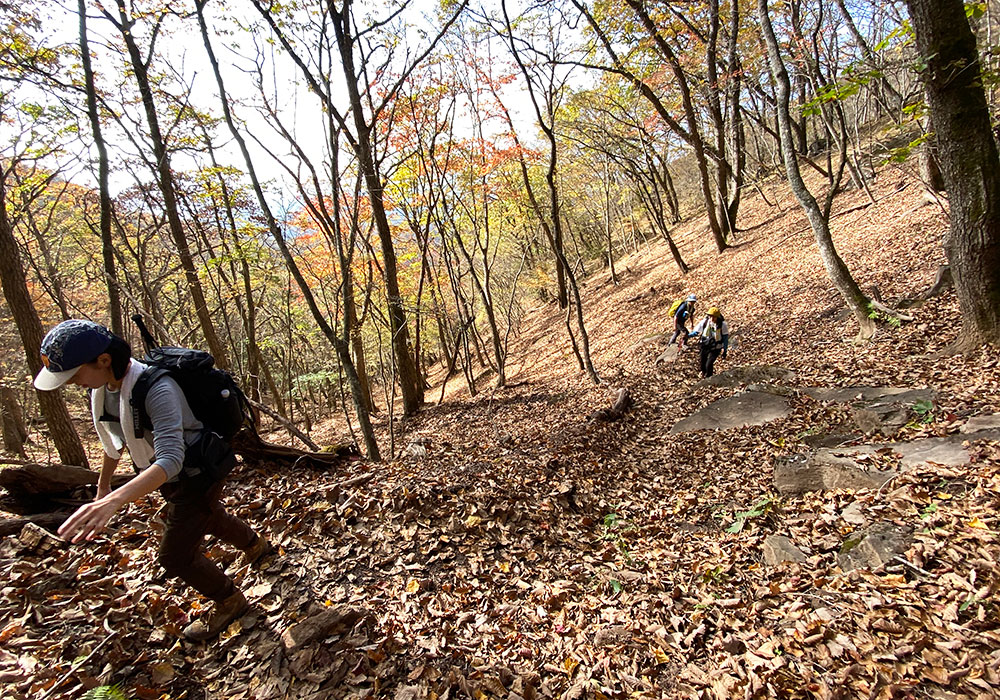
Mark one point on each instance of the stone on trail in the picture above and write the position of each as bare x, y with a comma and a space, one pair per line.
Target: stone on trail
669, 355
741, 410
876, 409
778, 549
978, 423
825, 470
875, 547
320, 624
750, 374
849, 467
853, 515
870, 394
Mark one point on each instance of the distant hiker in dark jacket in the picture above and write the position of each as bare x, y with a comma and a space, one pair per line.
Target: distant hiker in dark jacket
88, 354
713, 332
684, 312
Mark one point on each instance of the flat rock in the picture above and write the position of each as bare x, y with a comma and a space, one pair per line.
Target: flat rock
840, 468
750, 374
669, 355
777, 549
832, 440
947, 451
980, 423
823, 471
869, 394
741, 410
876, 409
875, 547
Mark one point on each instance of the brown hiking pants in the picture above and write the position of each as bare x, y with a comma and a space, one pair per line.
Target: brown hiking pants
193, 511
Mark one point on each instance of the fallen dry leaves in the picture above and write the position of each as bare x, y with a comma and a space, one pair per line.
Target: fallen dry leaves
531, 553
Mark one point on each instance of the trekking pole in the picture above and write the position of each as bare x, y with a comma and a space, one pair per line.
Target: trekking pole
147, 338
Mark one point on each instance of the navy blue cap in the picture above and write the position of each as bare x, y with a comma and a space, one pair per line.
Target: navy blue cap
67, 346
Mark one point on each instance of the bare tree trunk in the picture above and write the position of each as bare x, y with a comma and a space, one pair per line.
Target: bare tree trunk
889, 93
107, 245
340, 346
166, 183
14, 432
410, 385
835, 267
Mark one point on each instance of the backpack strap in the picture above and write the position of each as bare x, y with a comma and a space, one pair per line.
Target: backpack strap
140, 390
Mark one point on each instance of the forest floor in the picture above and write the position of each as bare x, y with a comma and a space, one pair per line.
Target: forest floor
532, 552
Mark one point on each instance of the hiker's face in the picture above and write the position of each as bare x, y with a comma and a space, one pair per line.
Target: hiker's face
94, 375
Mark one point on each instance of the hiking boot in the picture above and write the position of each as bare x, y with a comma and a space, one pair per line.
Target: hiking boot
222, 615
257, 552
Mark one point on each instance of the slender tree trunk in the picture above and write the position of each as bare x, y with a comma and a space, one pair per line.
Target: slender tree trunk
694, 131
969, 162
835, 267
107, 244
410, 385
890, 94
14, 431
166, 184
340, 346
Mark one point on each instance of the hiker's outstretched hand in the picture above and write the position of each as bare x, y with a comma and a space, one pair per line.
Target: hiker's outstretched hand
88, 520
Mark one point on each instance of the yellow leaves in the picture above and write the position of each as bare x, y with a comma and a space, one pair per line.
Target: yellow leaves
659, 656
977, 524
473, 521
413, 586
569, 665
234, 629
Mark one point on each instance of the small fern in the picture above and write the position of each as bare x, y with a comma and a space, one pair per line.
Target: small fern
106, 692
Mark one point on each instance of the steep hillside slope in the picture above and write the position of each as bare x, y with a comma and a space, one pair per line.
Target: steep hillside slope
518, 549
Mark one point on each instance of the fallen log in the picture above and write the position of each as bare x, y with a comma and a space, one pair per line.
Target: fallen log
49, 521
51, 488
254, 450
50, 479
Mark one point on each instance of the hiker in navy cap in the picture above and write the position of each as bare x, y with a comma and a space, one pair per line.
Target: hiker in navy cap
684, 311
88, 354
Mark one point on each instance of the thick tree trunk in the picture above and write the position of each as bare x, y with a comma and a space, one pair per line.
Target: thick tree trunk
15, 290
967, 152
841, 277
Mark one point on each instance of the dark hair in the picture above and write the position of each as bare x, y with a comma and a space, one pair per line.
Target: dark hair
121, 353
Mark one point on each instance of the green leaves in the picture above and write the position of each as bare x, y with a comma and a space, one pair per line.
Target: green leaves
105, 692
762, 508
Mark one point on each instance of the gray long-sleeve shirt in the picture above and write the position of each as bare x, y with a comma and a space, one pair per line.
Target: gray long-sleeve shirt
174, 424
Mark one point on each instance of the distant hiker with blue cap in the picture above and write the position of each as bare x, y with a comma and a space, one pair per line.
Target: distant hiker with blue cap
87, 354
682, 312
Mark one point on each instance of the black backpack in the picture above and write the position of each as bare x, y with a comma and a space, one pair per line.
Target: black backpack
214, 397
